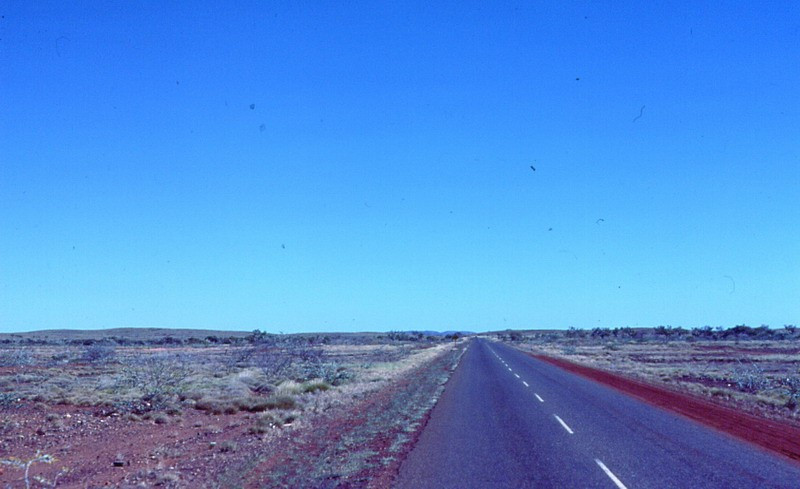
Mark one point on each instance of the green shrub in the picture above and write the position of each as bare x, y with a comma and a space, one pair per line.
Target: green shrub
214, 406
252, 404
316, 386
270, 420
280, 402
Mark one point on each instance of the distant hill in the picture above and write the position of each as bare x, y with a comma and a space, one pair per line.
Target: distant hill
150, 334
446, 333
143, 334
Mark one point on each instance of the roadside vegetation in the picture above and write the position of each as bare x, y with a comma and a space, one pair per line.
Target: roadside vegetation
755, 369
222, 396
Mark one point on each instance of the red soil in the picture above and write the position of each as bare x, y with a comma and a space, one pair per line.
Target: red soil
772, 435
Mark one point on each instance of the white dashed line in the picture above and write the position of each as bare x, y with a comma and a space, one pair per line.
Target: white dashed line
537, 397
509, 369
569, 430
516, 375
610, 474
526, 384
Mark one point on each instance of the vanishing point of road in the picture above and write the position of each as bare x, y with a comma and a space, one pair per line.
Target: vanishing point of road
507, 420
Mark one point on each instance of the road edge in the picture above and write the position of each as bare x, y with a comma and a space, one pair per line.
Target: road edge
771, 435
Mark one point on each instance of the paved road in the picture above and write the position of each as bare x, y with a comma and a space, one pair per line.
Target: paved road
507, 420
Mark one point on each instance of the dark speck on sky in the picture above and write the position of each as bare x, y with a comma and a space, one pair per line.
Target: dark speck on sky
262, 127
252, 106
641, 111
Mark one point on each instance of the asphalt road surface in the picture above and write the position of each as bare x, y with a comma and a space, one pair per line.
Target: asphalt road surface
507, 420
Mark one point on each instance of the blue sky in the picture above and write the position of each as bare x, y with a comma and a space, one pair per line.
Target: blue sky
382, 178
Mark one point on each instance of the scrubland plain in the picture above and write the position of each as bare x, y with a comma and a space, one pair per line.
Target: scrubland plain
252, 410
754, 370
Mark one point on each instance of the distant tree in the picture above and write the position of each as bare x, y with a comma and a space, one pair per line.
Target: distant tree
515, 336
705, 332
574, 332
763, 332
740, 330
256, 337
664, 331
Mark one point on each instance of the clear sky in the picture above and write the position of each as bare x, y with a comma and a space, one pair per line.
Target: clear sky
338, 166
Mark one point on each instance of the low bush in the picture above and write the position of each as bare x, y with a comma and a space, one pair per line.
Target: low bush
98, 354
750, 378
252, 404
271, 420
315, 386
280, 402
158, 379
790, 388
17, 357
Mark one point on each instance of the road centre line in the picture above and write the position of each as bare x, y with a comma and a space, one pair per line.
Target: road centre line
537, 397
509, 369
526, 384
610, 474
569, 430
516, 375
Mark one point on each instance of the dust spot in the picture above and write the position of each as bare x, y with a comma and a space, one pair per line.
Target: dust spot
641, 112
61, 43
733, 284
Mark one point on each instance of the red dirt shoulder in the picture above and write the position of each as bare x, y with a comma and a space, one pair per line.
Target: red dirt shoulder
779, 437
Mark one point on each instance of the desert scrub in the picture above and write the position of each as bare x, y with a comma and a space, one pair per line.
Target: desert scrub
99, 354
315, 386
251, 404
216, 406
26, 464
156, 379
16, 357
270, 420
376, 429
280, 402
789, 387
748, 375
